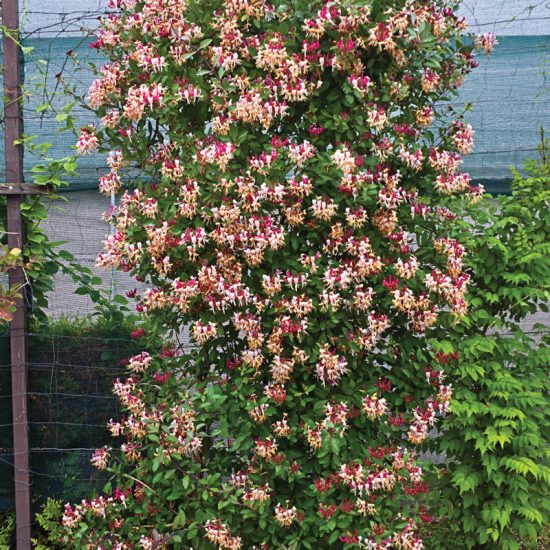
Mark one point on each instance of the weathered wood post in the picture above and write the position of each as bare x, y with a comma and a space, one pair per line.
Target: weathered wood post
18, 328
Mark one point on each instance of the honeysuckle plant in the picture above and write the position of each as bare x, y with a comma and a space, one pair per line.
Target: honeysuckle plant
290, 202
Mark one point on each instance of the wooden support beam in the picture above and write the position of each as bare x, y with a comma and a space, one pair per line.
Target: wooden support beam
13, 123
23, 189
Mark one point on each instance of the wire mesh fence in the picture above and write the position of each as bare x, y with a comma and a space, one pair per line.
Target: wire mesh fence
73, 363
69, 399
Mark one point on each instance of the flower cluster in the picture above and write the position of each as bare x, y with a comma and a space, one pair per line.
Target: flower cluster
486, 42
220, 534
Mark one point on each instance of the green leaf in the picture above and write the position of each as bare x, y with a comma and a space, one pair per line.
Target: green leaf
180, 519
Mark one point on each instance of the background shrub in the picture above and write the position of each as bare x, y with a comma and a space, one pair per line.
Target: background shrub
494, 484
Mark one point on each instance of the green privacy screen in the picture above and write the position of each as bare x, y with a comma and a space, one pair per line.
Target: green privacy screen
509, 91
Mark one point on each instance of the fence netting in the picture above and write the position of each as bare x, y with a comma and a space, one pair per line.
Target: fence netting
73, 361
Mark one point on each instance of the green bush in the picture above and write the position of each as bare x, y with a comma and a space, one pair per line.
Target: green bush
494, 484
7, 524
291, 208
47, 522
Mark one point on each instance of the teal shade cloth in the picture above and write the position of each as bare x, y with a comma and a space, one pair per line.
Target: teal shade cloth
510, 93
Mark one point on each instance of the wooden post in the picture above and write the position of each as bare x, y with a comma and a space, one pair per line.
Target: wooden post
18, 329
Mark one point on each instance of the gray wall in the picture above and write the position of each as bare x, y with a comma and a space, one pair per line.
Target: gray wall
76, 220
508, 17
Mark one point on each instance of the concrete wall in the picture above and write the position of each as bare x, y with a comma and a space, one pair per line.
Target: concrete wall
508, 17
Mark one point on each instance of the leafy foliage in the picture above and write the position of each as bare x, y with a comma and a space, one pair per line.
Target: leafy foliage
7, 523
9, 259
495, 484
47, 525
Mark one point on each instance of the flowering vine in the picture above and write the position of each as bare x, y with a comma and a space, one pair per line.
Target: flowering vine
290, 201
